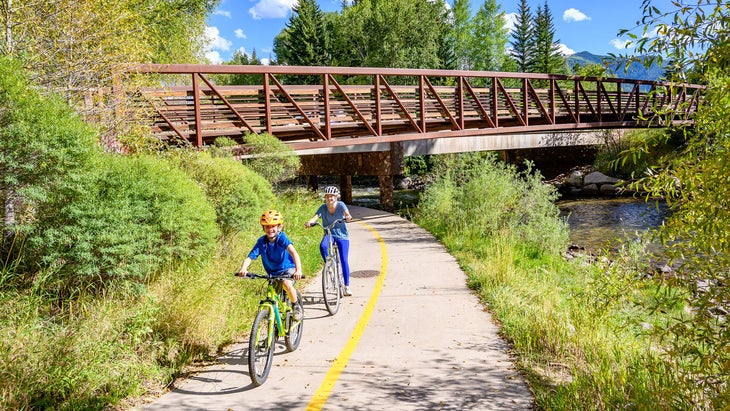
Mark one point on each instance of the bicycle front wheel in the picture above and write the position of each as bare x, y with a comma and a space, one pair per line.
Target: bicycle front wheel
260, 348
331, 287
294, 336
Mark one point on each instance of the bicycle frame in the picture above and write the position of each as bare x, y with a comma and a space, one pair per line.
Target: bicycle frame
332, 281
274, 318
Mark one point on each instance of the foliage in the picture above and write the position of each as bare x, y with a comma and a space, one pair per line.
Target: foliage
125, 219
76, 48
692, 37
633, 154
487, 46
240, 58
460, 33
523, 41
409, 34
305, 43
237, 193
271, 158
42, 142
547, 57
480, 197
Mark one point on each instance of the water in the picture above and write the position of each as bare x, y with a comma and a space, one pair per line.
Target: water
596, 223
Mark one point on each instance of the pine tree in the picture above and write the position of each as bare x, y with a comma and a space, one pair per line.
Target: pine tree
547, 57
522, 43
303, 42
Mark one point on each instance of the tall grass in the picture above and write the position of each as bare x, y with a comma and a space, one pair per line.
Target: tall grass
578, 328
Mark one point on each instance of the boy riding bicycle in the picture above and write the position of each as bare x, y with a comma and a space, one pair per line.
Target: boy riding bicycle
278, 256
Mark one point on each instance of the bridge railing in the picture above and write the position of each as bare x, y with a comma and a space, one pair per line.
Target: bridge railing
346, 106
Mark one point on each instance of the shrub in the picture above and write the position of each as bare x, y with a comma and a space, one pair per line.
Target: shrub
271, 158
42, 141
237, 193
480, 197
124, 220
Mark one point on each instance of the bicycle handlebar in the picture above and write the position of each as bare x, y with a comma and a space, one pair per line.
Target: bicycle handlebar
264, 276
329, 227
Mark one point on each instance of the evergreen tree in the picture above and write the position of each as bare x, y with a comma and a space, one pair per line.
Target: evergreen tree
489, 38
523, 43
303, 42
547, 57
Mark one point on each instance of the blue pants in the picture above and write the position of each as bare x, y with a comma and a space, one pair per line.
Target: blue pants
344, 247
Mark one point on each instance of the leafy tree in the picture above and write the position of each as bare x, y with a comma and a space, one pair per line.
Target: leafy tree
76, 47
547, 57
461, 32
240, 58
397, 33
697, 235
489, 39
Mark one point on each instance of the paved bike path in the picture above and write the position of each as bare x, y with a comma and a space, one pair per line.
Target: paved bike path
412, 337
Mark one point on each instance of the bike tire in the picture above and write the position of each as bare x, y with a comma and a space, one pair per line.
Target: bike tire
330, 287
260, 349
294, 336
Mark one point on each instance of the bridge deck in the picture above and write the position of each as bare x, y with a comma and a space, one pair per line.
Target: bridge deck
400, 104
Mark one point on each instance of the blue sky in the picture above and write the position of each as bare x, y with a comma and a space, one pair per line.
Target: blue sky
581, 25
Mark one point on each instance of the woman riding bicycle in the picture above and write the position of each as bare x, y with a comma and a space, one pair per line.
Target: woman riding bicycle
330, 211
278, 256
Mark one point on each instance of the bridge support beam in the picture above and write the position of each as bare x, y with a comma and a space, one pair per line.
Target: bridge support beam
384, 164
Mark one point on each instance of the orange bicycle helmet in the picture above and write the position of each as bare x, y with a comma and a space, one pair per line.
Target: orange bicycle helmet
271, 217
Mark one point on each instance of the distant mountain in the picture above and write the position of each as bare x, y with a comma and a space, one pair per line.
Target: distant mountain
636, 71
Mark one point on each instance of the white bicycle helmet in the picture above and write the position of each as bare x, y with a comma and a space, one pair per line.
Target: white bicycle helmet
331, 190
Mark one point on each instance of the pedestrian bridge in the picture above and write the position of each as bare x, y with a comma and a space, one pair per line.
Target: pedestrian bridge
345, 107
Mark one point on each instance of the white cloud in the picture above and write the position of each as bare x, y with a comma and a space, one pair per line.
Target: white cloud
510, 20
213, 57
565, 50
271, 9
224, 13
619, 44
265, 61
239, 34
214, 40
574, 15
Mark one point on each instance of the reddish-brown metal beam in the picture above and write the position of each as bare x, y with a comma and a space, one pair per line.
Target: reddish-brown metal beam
324, 120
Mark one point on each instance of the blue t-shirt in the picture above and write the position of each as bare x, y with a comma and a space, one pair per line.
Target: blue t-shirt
340, 229
274, 256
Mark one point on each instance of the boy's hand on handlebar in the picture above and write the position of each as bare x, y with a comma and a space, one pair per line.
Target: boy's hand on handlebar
240, 274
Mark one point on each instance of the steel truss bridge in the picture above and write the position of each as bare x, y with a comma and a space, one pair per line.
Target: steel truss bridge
346, 106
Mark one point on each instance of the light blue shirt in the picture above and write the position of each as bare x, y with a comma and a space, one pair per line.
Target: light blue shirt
339, 230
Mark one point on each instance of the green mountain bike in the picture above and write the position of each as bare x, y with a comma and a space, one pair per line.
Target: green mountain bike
333, 283
275, 318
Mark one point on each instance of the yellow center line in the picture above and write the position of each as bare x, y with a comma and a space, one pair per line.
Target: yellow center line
325, 389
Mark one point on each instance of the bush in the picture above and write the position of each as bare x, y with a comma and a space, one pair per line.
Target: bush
124, 220
271, 158
42, 141
237, 193
480, 197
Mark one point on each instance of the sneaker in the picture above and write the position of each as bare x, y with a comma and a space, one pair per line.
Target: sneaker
348, 291
298, 312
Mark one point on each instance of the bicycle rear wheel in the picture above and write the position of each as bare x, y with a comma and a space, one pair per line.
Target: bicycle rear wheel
260, 348
294, 336
331, 287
